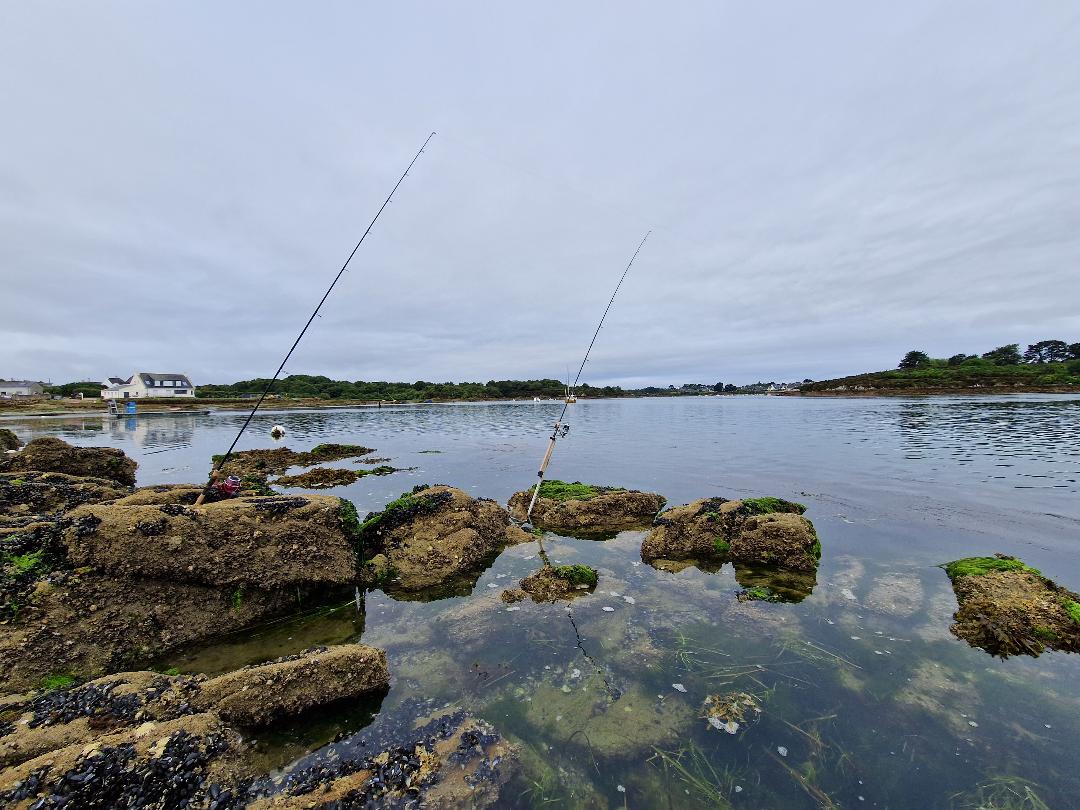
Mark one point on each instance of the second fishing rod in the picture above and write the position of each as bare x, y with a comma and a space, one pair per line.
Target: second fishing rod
561, 429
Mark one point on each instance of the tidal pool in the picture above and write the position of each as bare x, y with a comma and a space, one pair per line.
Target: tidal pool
866, 698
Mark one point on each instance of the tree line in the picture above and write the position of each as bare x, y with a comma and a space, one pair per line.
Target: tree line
1045, 351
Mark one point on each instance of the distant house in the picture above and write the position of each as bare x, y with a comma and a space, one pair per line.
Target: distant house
21, 388
143, 384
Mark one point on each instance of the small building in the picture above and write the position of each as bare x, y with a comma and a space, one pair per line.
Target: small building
145, 384
21, 388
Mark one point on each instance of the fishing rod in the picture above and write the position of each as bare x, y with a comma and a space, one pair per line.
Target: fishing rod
273, 380
562, 430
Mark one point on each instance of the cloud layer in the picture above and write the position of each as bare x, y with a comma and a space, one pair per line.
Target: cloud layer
828, 187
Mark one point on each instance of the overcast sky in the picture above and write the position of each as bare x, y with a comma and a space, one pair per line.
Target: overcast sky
828, 184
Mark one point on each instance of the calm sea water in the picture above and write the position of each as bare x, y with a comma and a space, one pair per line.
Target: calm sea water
867, 699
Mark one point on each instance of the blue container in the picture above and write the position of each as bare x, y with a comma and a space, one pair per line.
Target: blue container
129, 407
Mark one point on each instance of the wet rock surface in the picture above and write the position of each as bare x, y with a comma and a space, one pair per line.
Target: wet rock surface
554, 583
753, 531
8, 440
258, 695
276, 461
266, 543
53, 455
327, 477
444, 758
1008, 608
433, 535
147, 739
44, 495
587, 508
86, 623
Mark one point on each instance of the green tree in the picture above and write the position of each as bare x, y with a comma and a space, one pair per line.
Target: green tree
1047, 351
914, 359
1008, 355
1074, 351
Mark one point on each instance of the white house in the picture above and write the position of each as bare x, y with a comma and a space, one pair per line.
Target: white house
143, 384
20, 388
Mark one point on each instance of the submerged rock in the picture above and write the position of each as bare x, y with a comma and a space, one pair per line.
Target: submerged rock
264, 543
432, 535
8, 440
1008, 608
258, 695
731, 711
53, 455
441, 760
587, 508
552, 583
761, 584
326, 477
276, 461
752, 531
86, 624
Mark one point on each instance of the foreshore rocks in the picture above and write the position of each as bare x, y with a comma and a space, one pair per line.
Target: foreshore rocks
576, 508
755, 531
431, 536
43, 495
8, 440
259, 695
147, 739
261, 542
55, 456
553, 583
1008, 608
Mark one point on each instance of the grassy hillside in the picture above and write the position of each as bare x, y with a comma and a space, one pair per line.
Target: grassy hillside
970, 375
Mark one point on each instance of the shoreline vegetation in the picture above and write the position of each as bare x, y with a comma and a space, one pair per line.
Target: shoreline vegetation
1046, 367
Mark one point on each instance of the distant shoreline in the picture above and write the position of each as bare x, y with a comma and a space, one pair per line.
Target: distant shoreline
935, 392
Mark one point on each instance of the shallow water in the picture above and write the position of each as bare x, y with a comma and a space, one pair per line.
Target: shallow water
864, 689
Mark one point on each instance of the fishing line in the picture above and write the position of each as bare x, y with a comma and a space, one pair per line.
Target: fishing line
273, 380
561, 429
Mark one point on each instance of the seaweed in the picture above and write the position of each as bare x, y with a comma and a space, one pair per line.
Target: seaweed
556, 490
979, 566
768, 505
577, 574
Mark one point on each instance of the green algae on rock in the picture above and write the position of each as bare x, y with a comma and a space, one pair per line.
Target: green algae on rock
554, 582
431, 536
575, 508
1009, 608
8, 440
754, 531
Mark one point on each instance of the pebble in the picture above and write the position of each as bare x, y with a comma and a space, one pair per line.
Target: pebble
678, 687
607, 609
629, 600
781, 750
512, 609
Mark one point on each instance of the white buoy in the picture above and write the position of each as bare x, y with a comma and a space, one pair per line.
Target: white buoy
277, 432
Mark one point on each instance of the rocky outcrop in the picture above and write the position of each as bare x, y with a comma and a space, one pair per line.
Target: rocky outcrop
754, 531
151, 740
45, 495
263, 463
553, 583
587, 508
53, 455
445, 759
433, 535
1008, 608
259, 695
8, 440
87, 624
266, 543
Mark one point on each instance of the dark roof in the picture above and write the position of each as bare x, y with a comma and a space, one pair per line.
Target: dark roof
118, 381
19, 383
148, 377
